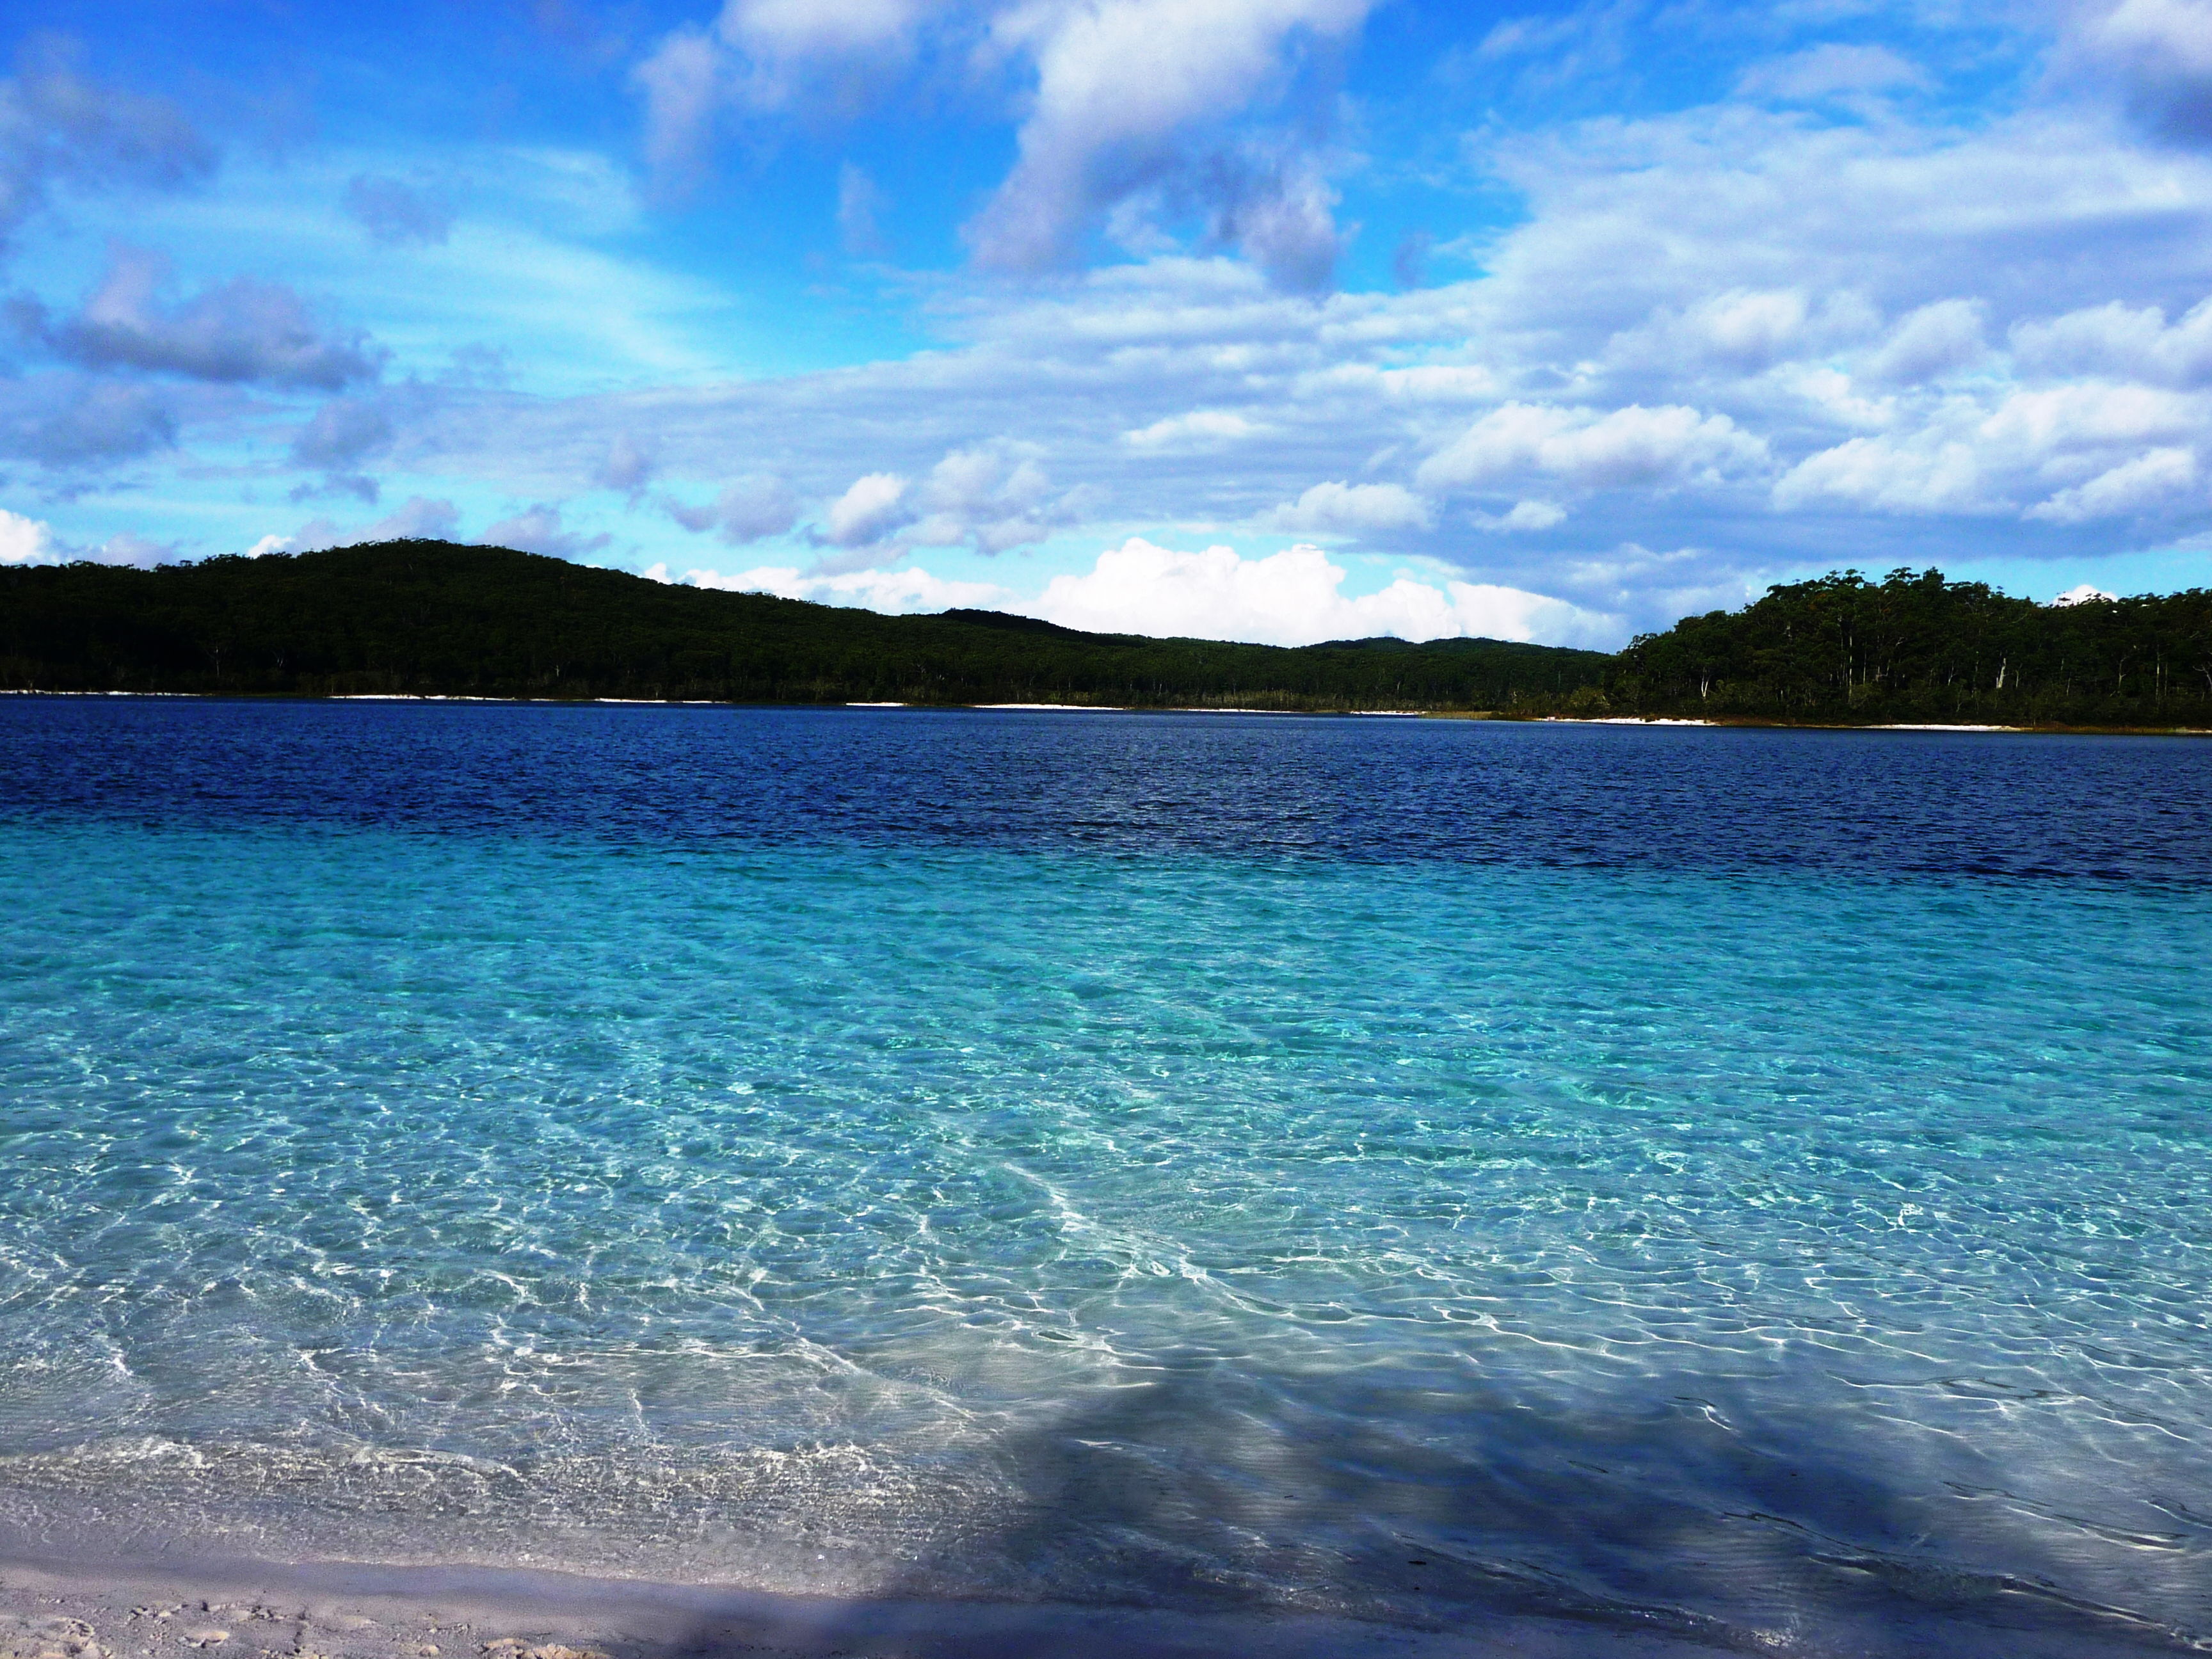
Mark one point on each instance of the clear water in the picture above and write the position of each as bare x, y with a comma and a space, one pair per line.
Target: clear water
1750, 1185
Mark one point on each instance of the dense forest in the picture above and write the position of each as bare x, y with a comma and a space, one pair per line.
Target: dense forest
1914, 647
430, 617
426, 617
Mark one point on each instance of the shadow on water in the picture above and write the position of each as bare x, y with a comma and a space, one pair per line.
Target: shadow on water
1675, 1525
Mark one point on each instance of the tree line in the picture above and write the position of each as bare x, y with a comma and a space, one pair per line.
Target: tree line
429, 617
1915, 646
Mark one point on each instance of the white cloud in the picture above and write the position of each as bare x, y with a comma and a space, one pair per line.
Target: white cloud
244, 330
1629, 446
56, 128
628, 466
420, 516
1521, 515
1199, 427
683, 83
1134, 108
1940, 477
1350, 509
794, 32
868, 510
24, 541
2158, 52
993, 496
2122, 341
897, 591
2149, 481
1742, 330
1851, 308
31, 540
756, 506
1125, 91
2083, 593
2089, 414
1290, 597
1931, 341
537, 529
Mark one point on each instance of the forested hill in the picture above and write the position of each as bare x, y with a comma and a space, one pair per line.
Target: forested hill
441, 618
1914, 647
435, 618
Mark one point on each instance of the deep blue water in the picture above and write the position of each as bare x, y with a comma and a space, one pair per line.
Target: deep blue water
1753, 1185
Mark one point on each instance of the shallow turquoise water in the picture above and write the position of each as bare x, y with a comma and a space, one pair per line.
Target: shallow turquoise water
1745, 1252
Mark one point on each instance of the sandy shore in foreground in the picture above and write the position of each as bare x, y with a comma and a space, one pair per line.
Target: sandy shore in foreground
249, 1610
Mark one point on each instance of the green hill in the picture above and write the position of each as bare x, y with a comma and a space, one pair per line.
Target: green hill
436, 618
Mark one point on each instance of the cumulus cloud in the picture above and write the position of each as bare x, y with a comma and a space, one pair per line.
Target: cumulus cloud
1627, 447
841, 49
765, 55
2128, 445
1292, 598
1128, 93
2120, 341
1704, 317
900, 592
995, 496
1350, 509
31, 540
2052, 420
2158, 53
682, 84
396, 213
871, 507
1521, 515
1938, 476
753, 506
24, 541
1736, 331
2149, 481
74, 421
58, 128
420, 517
1137, 110
337, 439
1201, 428
628, 466
1931, 341
537, 529
241, 331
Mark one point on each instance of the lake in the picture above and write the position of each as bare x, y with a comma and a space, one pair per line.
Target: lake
1749, 1186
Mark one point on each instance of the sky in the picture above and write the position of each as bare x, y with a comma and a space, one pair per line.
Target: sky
1267, 319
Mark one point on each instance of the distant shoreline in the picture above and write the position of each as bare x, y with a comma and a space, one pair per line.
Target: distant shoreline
1482, 715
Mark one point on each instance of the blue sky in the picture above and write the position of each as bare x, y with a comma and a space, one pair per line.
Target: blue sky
1280, 319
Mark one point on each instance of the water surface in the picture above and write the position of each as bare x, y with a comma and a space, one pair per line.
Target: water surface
1752, 1185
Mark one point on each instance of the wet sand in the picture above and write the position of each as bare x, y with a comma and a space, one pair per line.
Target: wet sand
262, 1610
